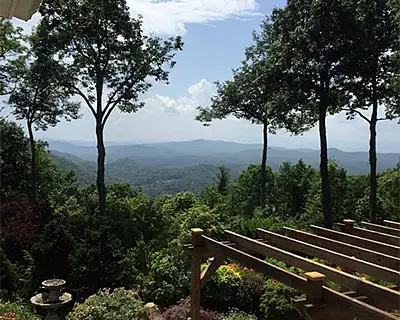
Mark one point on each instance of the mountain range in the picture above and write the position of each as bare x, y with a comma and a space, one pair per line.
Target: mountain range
190, 165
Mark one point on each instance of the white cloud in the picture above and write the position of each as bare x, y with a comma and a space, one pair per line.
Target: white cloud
171, 17
199, 94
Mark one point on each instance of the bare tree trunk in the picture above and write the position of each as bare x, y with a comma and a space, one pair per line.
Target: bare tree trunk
372, 155
101, 156
264, 167
33, 191
326, 198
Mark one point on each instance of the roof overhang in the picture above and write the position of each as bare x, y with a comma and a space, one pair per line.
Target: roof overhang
21, 9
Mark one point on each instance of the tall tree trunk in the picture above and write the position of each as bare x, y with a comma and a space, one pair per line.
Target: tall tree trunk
101, 156
263, 188
372, 154
33, 191
326, 198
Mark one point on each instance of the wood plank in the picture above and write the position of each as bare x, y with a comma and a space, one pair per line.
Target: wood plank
373, 235
382, 229
345, 248
380, 296
360, 309
393, 251
288, 278
211, 268
392, 224
348, 262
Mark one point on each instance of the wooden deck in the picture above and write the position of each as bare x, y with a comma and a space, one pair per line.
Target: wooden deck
349, 255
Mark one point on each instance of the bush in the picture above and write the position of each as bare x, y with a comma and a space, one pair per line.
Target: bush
234, 287
250, 291
276, 302
14, 311
169, 276
119, 304
181, 311
237, 315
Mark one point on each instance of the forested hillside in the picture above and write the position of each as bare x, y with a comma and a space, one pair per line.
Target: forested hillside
114, 221
196, 167
233, 155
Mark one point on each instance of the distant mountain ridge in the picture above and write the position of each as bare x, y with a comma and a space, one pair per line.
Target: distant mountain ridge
207, 152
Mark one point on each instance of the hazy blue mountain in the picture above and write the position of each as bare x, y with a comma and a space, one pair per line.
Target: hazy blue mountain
205, 152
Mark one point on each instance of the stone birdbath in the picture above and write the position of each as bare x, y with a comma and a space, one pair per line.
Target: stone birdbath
52, 298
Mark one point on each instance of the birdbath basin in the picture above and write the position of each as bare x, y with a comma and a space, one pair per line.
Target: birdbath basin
52, 298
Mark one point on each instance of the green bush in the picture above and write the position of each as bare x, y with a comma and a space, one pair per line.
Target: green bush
119, 304
15, 311
168, 279
276, 302
233, 286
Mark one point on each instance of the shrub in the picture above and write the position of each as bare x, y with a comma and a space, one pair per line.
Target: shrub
169, 276
233, 286
276, 302
237, 315
181, 311
14, 311
119, 304
220, 291
250, 291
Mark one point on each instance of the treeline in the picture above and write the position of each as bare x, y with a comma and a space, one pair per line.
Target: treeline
137, 244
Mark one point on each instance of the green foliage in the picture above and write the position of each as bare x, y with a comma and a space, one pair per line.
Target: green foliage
233, 286
119, 304
16, 311
10, 48
389, 193
201, 217
276, 302
168, 279
14, 161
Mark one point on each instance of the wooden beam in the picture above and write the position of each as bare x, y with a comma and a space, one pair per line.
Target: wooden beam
372, 235
360, 309
380, 296
382, 229
345, 248
358, 241
288, 278
392, 224
348, 262
211, 268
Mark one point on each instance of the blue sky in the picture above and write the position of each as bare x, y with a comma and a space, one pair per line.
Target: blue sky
215, 33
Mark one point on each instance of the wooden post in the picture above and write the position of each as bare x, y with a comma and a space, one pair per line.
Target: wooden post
348, 228
314, 290
348, 225
196, 274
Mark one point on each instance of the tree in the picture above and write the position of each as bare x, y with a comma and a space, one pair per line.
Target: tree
14, 159
10, 47
255, 94
375, 70
223, 179
40, 101
311, 48
109, 58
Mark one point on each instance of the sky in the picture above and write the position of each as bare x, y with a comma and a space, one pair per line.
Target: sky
215, 35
